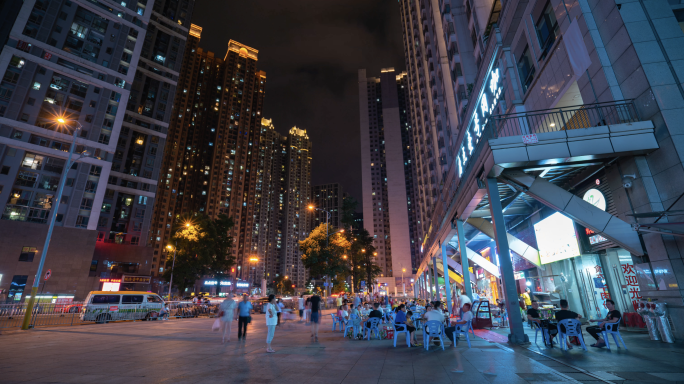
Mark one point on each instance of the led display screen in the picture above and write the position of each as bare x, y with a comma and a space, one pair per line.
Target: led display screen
556, 238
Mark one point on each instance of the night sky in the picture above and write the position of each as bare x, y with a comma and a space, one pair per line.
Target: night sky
311, 51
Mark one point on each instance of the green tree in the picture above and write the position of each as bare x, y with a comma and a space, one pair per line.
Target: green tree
202, 246
362, 255
218, 257
322, 253
283, 285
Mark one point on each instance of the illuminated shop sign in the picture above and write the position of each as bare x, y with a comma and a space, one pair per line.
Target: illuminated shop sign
137, 279
556, 238
214, 282
595, 198
486, 103
596, 239
242, 284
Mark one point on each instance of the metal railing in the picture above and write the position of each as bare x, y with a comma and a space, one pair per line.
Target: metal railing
562, 119
50, 314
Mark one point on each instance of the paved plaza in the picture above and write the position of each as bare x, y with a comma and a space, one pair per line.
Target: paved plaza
187, 351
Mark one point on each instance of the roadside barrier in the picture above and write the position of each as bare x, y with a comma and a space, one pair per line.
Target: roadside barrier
76, 313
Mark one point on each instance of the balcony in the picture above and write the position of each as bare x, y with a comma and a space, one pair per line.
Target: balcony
571, 133
25, 213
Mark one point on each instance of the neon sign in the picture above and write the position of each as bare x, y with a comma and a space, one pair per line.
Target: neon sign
242, 284
214, 282
489, 98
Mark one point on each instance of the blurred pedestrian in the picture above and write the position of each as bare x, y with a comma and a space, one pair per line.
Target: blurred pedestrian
271, 321
227, 315
244, 317
279, 309
315, 316
300, 306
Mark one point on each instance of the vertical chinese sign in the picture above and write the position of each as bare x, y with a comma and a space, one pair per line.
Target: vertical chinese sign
632, 284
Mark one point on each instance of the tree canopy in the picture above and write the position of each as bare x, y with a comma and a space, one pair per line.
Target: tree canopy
202, 246
322, 254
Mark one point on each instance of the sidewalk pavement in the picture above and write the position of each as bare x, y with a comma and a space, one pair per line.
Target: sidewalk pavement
188, 351
644, 361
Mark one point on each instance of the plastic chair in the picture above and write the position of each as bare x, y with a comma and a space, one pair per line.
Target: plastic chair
343, 326
433, 328
374, 326
536, 328
418, 321
572, 328
462, 329
335, 321
401, 328
351, 324
613, 329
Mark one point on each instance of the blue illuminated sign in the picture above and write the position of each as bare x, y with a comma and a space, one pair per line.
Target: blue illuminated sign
486, 103
242, 284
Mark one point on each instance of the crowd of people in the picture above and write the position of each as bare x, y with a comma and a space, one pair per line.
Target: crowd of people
533, 316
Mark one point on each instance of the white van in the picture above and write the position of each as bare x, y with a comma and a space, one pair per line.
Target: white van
104, 306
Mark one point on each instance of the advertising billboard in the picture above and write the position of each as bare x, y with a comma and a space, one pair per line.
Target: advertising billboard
556, 238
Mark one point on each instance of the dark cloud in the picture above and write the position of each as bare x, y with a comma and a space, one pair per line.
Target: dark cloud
311, 51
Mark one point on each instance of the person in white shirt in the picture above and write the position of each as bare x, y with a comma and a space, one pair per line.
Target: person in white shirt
462, 301
433, 314
279, 307
271, 321
345, 312
466, 316
228, 315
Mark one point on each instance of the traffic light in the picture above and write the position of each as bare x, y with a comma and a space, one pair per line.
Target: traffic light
232, 270
293, 285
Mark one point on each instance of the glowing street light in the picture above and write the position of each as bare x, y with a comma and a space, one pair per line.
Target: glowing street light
62, 121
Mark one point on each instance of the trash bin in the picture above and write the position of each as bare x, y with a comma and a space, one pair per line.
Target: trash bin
649, 318
663, 322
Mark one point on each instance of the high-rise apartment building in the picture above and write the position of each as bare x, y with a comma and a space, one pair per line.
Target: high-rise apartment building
110, 68
211, 164
441, 68
297, 218
329, 197
270, 206
388, 170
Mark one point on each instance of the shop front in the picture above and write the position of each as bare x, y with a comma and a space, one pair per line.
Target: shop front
574, 271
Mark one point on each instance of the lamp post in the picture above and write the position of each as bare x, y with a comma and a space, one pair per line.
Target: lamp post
36, 281
403, 284
173, 265
252, 275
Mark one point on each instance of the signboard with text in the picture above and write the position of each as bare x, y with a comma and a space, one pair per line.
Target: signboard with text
486, 104
137, 279
530, 139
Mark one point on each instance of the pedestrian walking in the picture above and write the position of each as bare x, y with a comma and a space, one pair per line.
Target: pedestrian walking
315, 303
307, 311
244, 317
271, 321
300, 307
279, 309
227, 315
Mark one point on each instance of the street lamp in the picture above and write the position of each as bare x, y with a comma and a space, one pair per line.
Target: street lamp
403, 284
173, 266
61, 121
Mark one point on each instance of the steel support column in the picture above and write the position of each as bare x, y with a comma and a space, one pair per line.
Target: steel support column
438, 295
431, 296
447, 285
517, 334
464, 259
